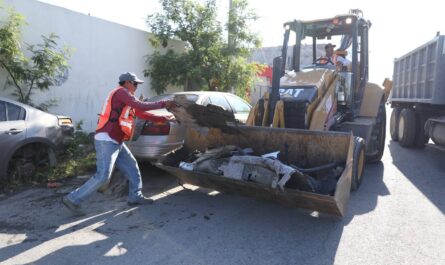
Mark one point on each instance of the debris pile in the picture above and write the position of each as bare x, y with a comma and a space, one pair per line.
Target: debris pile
276, 170
269, 170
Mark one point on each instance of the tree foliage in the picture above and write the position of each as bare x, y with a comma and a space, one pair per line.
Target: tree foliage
44, 67
209, 60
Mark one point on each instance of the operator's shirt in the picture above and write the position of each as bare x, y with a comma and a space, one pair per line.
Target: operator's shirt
112, 131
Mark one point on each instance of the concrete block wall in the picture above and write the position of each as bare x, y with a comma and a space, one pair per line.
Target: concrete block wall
102, 51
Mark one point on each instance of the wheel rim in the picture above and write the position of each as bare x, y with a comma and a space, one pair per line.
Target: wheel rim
393, 124
401, 127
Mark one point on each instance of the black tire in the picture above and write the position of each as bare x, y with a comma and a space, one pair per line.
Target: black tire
407, 128
379, 134
24, 163
358, 165
394, 124
421, 137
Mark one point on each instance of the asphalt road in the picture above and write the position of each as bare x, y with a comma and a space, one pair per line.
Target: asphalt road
396, 217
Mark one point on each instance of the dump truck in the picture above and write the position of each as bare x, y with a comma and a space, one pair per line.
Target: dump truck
312, 133
418, 96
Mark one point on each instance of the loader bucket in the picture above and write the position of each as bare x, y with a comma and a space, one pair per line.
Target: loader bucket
315, 148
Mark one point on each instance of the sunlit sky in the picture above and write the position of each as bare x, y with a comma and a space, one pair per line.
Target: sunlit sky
397, 27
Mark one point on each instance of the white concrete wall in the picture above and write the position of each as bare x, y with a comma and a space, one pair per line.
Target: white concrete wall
102, 51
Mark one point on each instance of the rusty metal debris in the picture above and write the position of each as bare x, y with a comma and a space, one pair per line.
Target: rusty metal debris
292, 167
240, 164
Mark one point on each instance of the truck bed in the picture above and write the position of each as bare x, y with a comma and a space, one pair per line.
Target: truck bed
419, 76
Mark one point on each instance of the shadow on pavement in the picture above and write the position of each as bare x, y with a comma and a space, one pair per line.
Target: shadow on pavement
192, 227
365, 199
425, 168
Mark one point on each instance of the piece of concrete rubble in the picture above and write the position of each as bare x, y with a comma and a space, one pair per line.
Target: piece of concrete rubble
258, 169
232, 170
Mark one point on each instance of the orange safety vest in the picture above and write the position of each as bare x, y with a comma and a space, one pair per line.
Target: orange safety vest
125, 120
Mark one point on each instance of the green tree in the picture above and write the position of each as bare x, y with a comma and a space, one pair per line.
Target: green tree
45, 66
209, 61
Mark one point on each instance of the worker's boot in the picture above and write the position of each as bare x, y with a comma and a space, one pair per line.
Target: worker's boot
140, 201
74, 208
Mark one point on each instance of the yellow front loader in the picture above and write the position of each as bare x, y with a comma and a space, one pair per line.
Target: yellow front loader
321, 121
317, 93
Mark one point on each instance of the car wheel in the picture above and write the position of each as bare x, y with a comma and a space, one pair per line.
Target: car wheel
25, 162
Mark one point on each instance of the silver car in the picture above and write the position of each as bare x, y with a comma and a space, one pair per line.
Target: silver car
155, 135
29, 138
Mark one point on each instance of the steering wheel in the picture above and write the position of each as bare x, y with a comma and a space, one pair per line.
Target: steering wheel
327, 61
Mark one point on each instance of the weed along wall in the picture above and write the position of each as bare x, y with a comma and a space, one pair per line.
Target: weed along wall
102, 51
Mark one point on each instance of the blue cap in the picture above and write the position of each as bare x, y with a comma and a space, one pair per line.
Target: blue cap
129, 77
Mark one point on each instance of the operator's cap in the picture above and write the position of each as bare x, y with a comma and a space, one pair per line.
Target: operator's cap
129, 77
329, 45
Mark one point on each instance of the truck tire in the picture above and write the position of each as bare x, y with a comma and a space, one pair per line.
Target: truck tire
358, 165
407, 128
394, 124
379, 134
421, 137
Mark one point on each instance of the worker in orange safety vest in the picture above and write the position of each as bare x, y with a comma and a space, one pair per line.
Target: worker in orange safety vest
115, 125
125, 119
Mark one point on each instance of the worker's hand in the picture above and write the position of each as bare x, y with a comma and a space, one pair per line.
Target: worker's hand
170, 118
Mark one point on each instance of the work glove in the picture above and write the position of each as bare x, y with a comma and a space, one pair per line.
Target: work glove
170, 104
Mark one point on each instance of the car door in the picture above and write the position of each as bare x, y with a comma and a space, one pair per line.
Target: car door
240, 108
12, 130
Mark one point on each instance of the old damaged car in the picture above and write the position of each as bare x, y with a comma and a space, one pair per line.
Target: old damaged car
29, 139
156, 134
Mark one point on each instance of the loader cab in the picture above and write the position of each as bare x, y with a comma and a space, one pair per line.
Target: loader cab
304, 43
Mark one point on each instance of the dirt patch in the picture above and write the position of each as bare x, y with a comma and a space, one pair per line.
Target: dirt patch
46, 198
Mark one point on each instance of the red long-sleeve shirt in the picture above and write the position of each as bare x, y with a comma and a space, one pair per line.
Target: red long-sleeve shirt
120, 99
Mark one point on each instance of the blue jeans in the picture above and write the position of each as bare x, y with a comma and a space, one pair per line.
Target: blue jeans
108, 154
